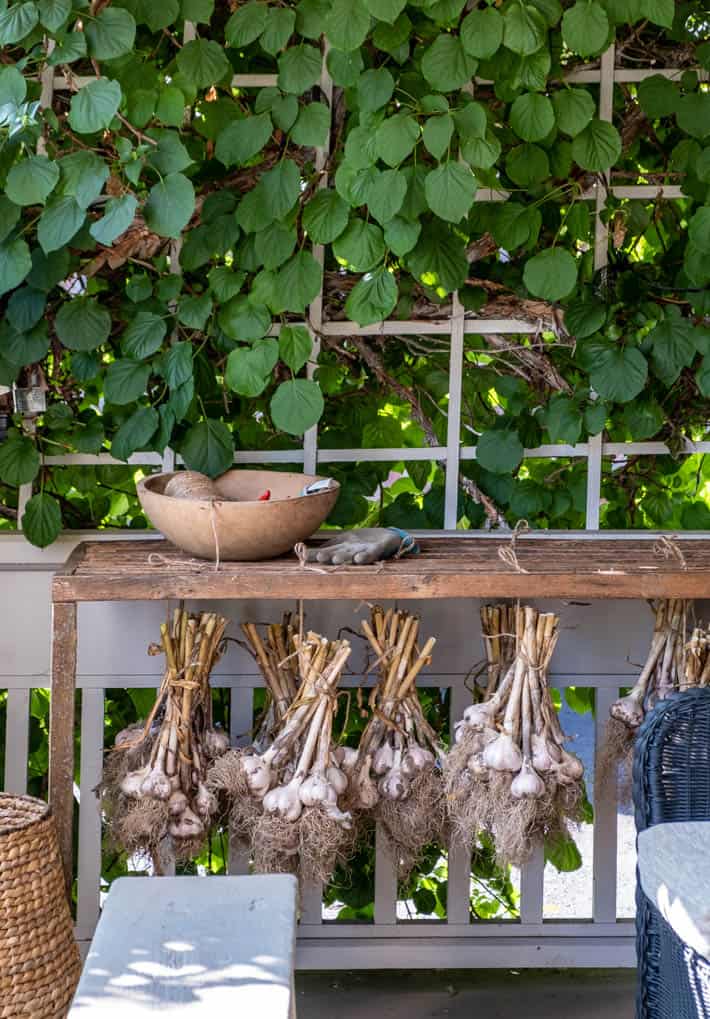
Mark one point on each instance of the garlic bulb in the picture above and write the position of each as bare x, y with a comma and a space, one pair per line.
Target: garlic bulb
156, 784
571, 766
127, 735
205, 802
131, 784
338, 779
478, 715
383, 759
258, 774
346, 757
416, 759
394, 785
629, 709
186, 826
316, 789
284, 800
502, 754
527, 783
216, 742
177, 803
541, 757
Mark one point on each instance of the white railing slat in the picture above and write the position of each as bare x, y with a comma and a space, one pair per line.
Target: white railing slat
605, 820
458, 891
17, 740
89, 854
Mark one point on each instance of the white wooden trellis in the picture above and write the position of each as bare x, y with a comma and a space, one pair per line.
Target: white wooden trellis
387, 943
456, 326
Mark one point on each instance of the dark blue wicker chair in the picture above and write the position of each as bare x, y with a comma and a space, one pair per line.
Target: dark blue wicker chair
671, 782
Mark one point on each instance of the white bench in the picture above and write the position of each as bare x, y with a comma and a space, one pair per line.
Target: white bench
192, 948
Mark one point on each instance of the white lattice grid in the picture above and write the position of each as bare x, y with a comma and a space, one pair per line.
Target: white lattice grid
455, 326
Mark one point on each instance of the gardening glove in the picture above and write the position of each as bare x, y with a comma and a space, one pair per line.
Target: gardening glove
360, 547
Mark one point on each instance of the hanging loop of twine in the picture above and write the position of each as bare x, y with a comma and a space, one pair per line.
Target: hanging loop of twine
668, 548
507, 553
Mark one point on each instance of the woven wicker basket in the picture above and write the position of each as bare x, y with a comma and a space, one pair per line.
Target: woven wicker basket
39, 959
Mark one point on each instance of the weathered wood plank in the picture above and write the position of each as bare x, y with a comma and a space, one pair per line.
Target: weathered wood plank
447, 567
61, 728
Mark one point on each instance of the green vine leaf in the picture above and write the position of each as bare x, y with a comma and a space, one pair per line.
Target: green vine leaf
135, 432
208, 447
524, 29
31, 181
144, 335
249, 369
597, 146
126, 380
19, 460
296, 406
42, 520
450, 190
170, 205
53, 13
499, 452
94, 106
203, 62
295, 346
616, 373
82, 324
551, 274
347, 24
574, 109
299, 67
118, 216
16, 22
373, 298
361, 246
482, 33
532, 117
242, 139
111, 34
446, 65
246, 24
15, 264
585, 27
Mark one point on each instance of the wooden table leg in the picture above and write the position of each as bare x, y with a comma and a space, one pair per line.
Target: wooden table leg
61, 729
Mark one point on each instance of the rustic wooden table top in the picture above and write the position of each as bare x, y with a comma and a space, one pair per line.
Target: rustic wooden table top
446, 567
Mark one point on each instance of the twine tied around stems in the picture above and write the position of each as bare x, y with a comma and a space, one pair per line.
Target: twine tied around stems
668, 548
507, 553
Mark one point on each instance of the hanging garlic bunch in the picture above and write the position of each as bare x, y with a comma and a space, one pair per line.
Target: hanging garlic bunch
154, 785
671, 665
239, 778
508, 772
297, 781
396, 774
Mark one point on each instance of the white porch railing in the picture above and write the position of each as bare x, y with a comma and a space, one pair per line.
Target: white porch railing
107, 660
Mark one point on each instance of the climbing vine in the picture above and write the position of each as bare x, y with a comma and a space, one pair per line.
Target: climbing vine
164, 233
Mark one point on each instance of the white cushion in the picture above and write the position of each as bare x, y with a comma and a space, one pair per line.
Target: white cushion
674, 869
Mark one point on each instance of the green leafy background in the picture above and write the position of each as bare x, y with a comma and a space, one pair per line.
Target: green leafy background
164, 233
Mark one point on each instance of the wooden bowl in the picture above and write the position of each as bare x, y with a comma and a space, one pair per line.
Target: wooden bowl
246, 529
